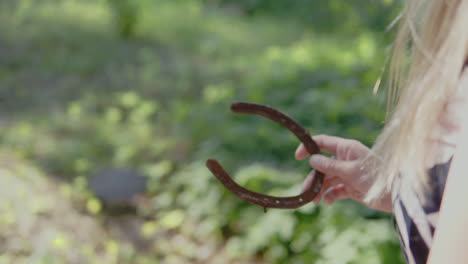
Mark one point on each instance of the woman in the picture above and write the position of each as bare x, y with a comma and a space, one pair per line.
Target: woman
417, 168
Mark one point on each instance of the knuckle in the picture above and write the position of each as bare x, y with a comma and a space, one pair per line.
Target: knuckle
318, 138
353, 142
329, 165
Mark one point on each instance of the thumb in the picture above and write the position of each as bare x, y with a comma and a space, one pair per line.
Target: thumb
329, 166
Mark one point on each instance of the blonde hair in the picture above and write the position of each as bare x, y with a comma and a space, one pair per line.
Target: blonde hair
428, 56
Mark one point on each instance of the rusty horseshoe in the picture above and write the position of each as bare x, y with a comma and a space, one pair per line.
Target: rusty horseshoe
267, 201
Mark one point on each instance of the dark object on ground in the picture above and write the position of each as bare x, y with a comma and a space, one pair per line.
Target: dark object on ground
122, 192
118, 187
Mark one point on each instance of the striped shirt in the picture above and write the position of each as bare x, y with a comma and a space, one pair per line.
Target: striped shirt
416, 221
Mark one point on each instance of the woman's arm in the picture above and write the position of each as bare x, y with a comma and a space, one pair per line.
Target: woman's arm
450, 243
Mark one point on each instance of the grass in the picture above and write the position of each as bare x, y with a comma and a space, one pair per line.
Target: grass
76, 97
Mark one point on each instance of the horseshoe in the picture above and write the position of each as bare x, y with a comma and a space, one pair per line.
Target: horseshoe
267, 201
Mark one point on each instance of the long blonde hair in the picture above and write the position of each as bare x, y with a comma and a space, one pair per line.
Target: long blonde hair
428, 56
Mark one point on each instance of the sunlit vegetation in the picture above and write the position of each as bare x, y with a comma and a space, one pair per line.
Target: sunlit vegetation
146, 84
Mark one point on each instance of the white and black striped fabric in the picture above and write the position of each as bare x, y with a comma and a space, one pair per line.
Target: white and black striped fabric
415, 220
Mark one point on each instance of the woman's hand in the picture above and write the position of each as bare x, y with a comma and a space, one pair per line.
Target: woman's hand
344, 174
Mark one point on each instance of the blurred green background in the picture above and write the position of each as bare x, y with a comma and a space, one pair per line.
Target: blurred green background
146, 84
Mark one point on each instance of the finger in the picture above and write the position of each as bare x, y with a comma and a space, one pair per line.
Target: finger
310, 178
324, 142
307, 184
328, 143
335, 193
301, 152
330, 166
328, 183
308, 181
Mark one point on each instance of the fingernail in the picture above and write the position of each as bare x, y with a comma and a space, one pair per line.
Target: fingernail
330, 197
327, 191
298, 148
296, 153
315, 160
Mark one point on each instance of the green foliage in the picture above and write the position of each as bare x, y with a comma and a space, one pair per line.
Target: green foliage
83, 99
345, 17
126, 16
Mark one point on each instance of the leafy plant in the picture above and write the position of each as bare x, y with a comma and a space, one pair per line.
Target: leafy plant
161, 105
